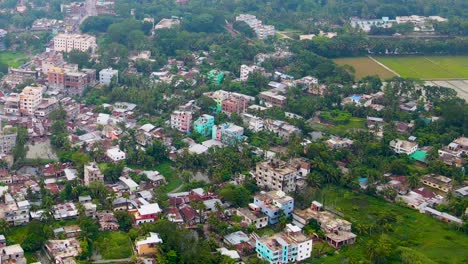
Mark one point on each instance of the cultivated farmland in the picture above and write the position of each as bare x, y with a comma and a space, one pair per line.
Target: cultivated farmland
365, 66
428, 67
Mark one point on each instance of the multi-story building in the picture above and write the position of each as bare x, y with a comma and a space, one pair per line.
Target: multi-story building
282, 129
228, 133
16, 213
30, 98
72, 82
75, 8
337, 231
254, 123
65, 42
7, 139
106, 75
253, 217
453, 153
403, 146
230, 102
289, 246
181, 120
12, 104
271, 98
262, 31
147, 213
12, 254
246, 70
280, 175
105, 7
92, 173
18, 76
272, 203
204, 125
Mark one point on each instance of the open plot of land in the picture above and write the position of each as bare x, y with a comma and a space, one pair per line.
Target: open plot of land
13, 59
432, 238
365, 66
114, 245
428, 67
460, 86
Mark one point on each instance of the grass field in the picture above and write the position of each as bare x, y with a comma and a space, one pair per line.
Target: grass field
364, 66
341, 130
114, 245
173, 181
430, 67
427, 236
13, 59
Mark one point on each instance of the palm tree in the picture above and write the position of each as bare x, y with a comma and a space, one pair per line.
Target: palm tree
413, 180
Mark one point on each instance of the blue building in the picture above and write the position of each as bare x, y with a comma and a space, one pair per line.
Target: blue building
204, 125
272, 203
285, 247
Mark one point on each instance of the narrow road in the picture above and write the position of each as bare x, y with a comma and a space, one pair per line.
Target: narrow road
113, 260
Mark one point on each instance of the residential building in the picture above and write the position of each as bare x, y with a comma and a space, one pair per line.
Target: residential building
279, 175
462, 192
204, 125
65, 42
337, 231
358, 100
72, 82
106, 75
146, 213
18, 76
228, 133
438, 182
262, 31
92, 173
442, 216
12, 254
7, 139
452, 154
246, 70
366, 24
235, 238
115, 154
147, 246
46, 106
12, 104
420, 198
16, 212
107, 221
167, 23
105, 7
129, 184
289, 246
254, 123
63, 251
181, 121
65, 211
230, 253
338, 142
272, 203
271, 99
253, 216
30, 98
403, 146
230, 102
215, 77
282, 129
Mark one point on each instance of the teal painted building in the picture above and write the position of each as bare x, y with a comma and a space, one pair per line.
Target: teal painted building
215, 77
204, 125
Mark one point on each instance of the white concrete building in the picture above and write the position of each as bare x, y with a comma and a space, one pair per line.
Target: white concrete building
403, 146
115, 154
106, 75
65, 42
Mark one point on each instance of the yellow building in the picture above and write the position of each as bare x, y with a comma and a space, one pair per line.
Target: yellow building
148, 245
30, 98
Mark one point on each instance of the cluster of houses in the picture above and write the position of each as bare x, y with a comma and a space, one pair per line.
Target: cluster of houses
262, 31
420, 23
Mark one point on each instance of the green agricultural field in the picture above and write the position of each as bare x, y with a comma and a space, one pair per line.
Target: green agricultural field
13, 59
428, 67
365, 66
419, 233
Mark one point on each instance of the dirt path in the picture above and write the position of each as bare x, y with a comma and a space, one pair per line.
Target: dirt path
383, 65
